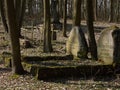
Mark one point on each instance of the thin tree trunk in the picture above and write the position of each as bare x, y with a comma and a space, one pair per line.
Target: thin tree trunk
111, 11
61, 8
23, 7
14, 36
30, 10
91, 36
2, 12
17, 5
65, 18
95, 9
105, 10
20, 10
47, 28
118, 10
77, 13
55, 12
83, 13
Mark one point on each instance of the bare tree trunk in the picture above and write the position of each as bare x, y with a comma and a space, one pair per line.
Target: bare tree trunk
14, 36
2, 12
23, 7
77, 13
95, 9
65, 18
17, 6
105, 10
91, 36
55, 12
20, 10
111, 11
83, 10
118, 10
30, 9
61, 8
47, 28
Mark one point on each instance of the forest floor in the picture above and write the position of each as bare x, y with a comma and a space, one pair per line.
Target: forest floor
8, 81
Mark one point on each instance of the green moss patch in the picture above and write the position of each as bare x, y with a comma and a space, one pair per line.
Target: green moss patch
7, 62
14, 76
6, 59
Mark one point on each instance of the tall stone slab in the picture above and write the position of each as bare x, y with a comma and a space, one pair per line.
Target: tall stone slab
109, 45
76, 44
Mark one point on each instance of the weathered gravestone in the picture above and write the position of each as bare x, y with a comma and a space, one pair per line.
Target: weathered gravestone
109, 46
25, 43
76, 44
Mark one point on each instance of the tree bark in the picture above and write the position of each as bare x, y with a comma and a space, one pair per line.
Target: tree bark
118, 10
47, 28
111, 11
23, 7
95, 9
14, 36
20, 10
61, 8
30, 10
2, 12
83, 10
105, 10
65, 18
91, 36
77, 13
55, 12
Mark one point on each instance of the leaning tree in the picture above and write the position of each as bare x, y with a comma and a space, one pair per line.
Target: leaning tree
14, 37
3, 18
19, 6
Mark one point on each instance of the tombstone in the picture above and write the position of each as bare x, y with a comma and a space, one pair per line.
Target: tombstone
25, 43
76, 44
6, 56
109, 46
55, 28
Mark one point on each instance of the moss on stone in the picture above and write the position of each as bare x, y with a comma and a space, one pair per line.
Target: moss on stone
6, 58
7, 62
27, 66
76, 58
48, 72
14, 76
